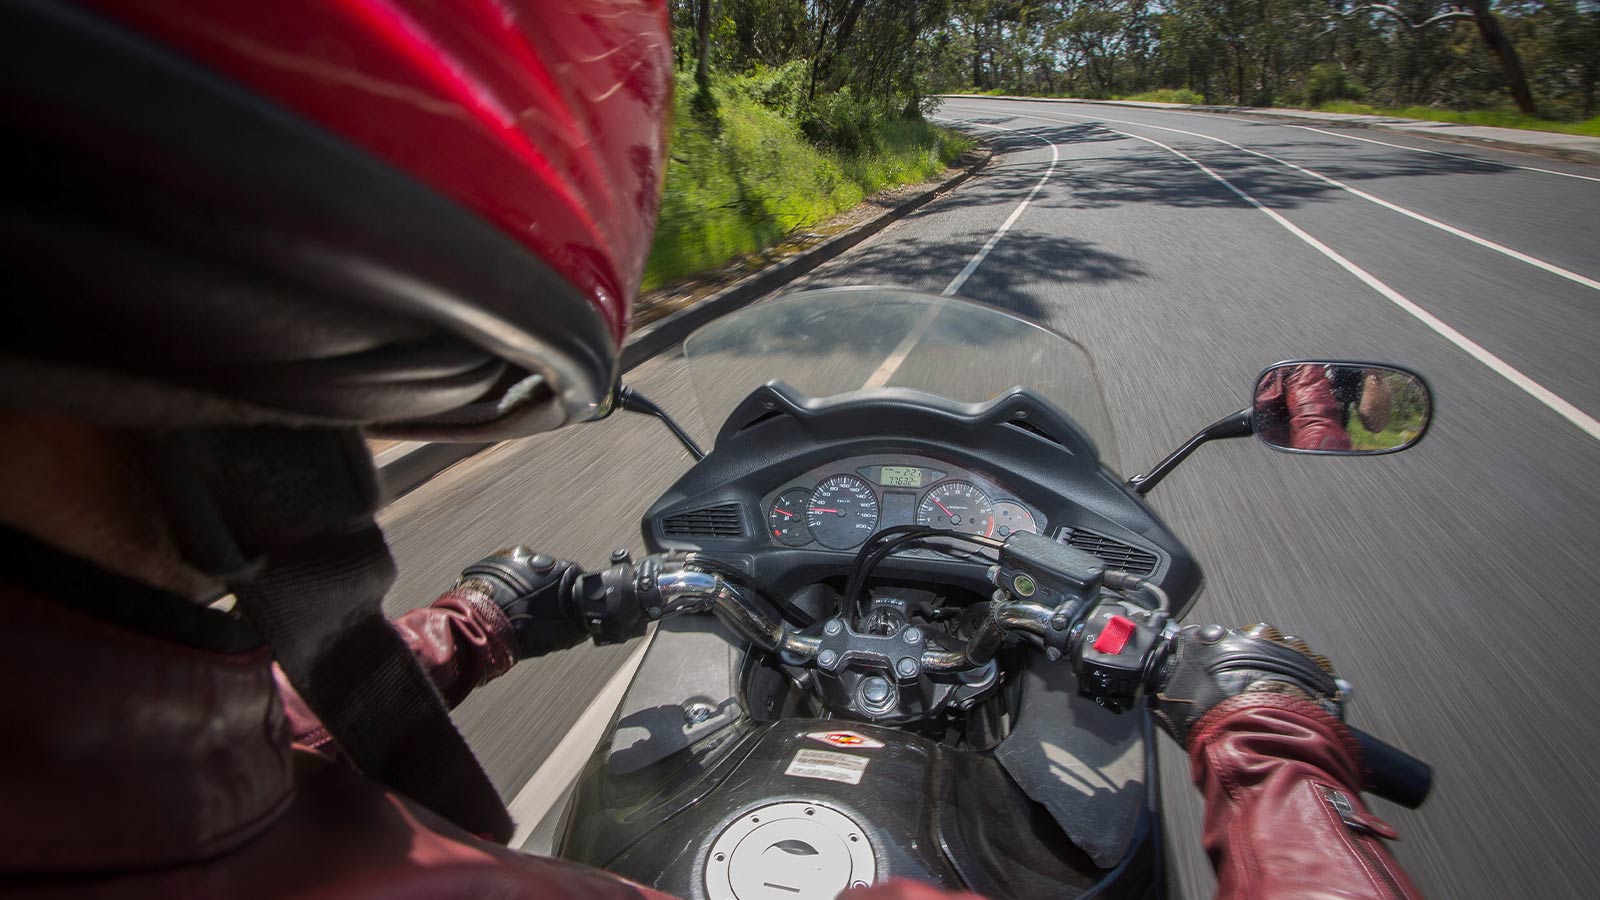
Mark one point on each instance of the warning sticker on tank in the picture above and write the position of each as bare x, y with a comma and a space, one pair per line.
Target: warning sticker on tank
849, 739
828, 766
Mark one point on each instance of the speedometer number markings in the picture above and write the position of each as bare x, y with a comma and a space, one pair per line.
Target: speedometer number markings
842, 512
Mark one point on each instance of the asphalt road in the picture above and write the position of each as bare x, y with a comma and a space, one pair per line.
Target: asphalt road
1455, 584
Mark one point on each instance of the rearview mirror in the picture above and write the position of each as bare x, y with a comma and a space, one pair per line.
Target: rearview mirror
1337, 407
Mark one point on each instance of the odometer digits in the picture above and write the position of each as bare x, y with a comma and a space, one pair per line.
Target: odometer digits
959, 506
843, 512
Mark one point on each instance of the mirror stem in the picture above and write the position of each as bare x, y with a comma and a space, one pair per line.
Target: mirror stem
633, 401
1236, 425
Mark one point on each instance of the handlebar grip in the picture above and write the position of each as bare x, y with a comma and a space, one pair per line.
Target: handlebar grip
1392, 773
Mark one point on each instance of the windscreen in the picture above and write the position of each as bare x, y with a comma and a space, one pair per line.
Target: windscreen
831, 342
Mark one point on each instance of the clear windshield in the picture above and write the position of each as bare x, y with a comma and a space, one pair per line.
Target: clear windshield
835, 341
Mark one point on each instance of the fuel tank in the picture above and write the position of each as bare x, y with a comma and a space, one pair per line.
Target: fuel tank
805, 808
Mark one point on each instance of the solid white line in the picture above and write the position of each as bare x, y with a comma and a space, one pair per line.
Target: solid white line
1487, 162
565, 763
897, 357
1450, 229
1587, 423
978, 258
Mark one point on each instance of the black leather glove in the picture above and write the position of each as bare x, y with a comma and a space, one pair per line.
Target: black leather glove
1209, 664
534, 591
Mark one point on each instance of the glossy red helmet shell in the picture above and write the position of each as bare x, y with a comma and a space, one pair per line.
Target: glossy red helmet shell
545, 121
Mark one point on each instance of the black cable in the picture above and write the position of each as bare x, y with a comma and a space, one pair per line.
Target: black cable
867, 559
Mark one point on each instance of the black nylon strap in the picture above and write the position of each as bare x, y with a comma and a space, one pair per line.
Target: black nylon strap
318, 605
284, 516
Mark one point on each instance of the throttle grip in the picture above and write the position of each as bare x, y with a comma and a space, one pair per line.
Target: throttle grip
1392, 773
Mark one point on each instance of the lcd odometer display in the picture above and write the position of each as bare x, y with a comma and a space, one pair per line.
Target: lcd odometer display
843, 512
900, 476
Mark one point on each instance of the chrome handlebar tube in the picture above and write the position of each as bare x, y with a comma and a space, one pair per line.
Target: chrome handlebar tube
689, 590
692, 591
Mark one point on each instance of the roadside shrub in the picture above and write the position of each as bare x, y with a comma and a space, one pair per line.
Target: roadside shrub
1327, 82
841, 122
778, 88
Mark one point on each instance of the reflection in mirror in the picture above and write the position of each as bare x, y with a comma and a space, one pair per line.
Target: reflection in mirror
1321, 406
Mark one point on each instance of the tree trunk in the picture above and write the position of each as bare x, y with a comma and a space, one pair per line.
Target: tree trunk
822, 67
977, 57
1510, 63
702, 26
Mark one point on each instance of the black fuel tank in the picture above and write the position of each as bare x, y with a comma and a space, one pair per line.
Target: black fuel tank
841, 801
806, 808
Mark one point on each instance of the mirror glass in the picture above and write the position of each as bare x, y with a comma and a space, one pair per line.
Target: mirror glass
1347, 408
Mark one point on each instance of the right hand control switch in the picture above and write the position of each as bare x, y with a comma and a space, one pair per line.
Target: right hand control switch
1112, 655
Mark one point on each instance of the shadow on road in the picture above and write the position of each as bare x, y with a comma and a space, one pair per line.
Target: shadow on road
1012, 272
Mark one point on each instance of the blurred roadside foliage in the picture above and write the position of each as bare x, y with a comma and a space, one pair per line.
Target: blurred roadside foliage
1409, 53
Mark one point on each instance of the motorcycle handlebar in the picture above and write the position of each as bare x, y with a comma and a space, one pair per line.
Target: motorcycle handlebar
1390, 773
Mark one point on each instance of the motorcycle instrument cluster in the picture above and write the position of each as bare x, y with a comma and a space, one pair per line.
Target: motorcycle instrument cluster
844, 508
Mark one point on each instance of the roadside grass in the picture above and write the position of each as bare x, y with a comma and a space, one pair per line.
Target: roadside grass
740, 181
1497, 118
1399, 431
1165, 95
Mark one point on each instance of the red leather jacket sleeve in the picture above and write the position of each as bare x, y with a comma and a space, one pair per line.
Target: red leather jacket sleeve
462, 640
1284, 817
1296, 408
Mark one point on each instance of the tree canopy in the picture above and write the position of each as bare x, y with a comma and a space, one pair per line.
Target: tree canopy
1455, 55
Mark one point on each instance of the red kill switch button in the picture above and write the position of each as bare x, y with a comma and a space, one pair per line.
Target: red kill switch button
1115, 635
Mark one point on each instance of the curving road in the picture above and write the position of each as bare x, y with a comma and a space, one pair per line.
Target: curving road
1454, 584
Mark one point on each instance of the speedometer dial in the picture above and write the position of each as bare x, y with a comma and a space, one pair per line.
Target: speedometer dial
843, 512
957, 505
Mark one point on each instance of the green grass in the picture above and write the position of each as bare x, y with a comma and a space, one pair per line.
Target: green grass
1164, 95
741, 184
1498, 118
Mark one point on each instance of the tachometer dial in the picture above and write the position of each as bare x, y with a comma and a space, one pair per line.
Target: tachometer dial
1011, 517
842, 512
957, 505
786, 519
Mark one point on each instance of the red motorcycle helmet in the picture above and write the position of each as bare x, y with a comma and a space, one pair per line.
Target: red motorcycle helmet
426, 219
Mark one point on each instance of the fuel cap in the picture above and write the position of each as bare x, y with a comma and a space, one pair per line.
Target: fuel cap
793, 851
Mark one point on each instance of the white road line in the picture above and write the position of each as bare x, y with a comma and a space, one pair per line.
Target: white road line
561, 768
1487, 162
1237, 116
1518, 255
983, 253
897, 357
1587, 423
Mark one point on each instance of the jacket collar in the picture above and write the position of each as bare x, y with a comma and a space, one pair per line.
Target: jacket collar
139, 729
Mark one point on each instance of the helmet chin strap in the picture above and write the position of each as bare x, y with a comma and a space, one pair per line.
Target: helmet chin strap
284, 516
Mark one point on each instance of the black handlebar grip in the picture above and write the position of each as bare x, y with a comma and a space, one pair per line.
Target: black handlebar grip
1392, 773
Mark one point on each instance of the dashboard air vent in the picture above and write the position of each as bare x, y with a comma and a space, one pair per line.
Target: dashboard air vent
1115, 553
721, 521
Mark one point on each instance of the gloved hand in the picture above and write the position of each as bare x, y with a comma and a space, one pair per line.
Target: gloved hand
534, 592
1209, 664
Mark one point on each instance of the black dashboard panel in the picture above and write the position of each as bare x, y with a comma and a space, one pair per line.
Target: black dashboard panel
1017, 448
